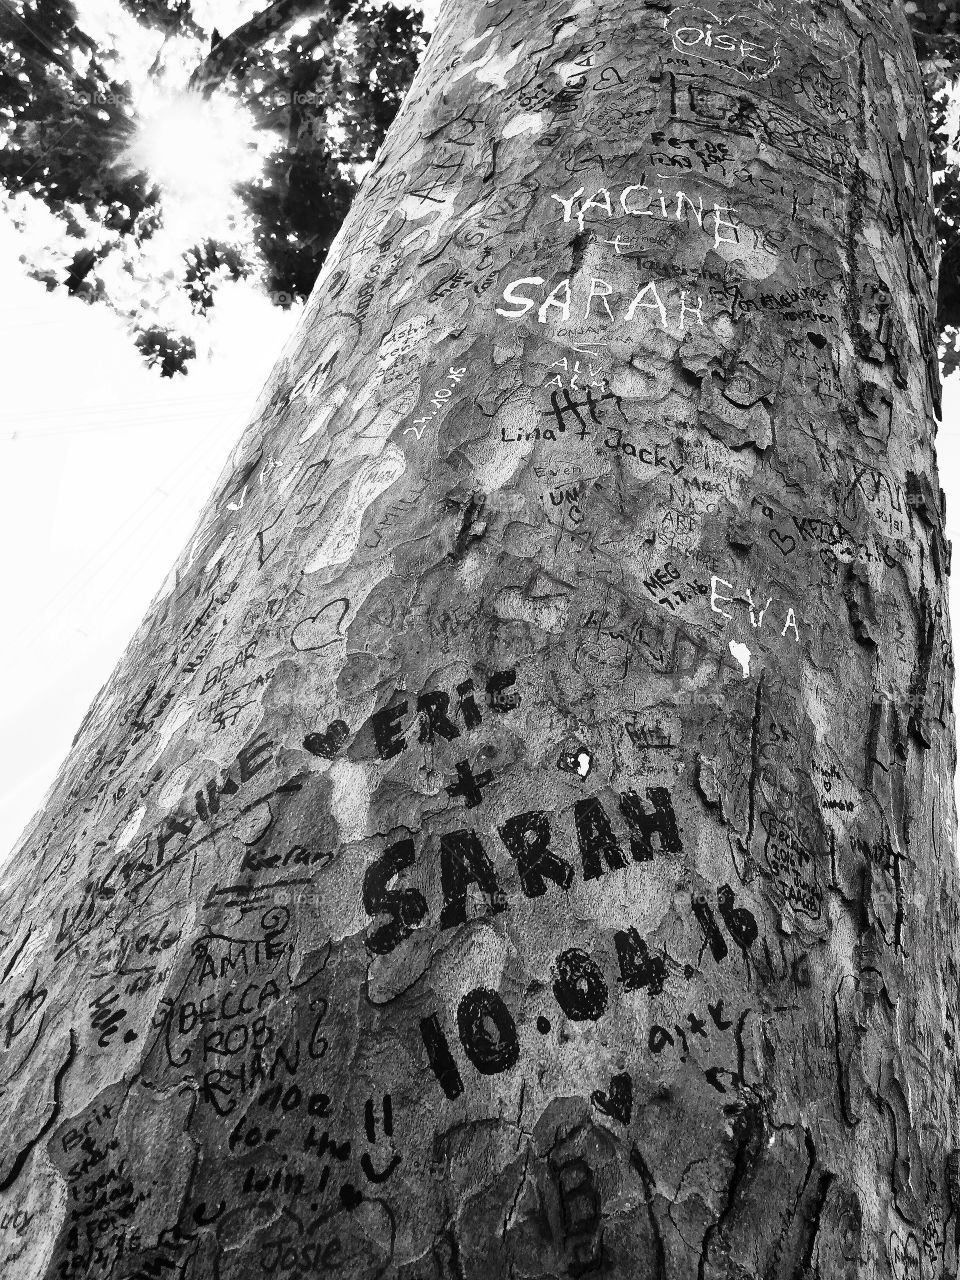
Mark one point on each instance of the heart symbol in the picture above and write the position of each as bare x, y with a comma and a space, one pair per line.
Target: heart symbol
350, 1197
323, 628
741, 922
783, 541
327, 744
618, 1103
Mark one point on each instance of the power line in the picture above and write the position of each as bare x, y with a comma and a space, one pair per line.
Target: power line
132, 414
132, 405
163, 419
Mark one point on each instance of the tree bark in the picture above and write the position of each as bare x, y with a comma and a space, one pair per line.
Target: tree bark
519, 841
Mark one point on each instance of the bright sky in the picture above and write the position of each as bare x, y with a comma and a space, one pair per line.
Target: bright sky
104, 467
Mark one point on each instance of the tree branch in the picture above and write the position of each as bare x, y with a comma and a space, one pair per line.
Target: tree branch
229, 52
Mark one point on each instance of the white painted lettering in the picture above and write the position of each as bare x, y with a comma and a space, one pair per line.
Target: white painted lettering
791, 622
517, 300
714, 596
596, 292
558, 297
568, 204
640, 213
656, 304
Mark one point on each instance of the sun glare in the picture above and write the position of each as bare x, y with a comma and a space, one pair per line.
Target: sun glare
196, 150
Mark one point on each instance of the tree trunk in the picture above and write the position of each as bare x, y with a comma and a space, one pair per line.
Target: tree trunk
519, 842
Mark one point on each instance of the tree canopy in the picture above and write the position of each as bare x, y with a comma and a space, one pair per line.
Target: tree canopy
936, 37
96, 165
116, 132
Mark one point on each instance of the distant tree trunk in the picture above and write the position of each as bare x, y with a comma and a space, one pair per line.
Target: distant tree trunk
519, 842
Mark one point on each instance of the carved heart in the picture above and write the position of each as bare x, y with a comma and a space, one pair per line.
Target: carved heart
784, 542
741, 922
323, 628
327, 744
350, 1197
618, 1103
